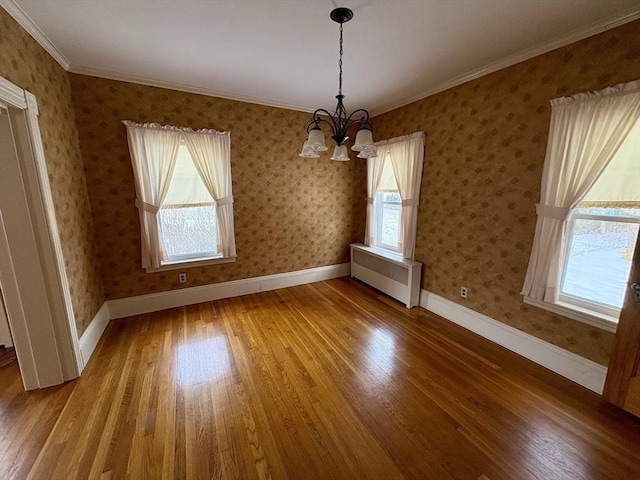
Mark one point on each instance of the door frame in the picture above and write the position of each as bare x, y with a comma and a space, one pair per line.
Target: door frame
626, 353
47, 345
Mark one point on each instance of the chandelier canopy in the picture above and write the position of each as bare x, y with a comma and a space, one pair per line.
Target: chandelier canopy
339, 122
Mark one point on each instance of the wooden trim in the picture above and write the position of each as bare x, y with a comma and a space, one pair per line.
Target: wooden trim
125, 307
46, 343
578, 369
626, 353
53, 258
12, 94
93, 333
32, 29
607, 24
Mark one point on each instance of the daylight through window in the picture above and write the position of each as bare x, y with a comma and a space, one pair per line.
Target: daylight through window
188, 215
183, 193
603, 232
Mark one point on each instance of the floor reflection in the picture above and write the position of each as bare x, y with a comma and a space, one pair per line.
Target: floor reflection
381, 351
202, 361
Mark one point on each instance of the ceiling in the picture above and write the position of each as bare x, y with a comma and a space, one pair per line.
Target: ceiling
285, 52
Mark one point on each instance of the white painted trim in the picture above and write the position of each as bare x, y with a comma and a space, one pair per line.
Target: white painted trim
585, 372
92, 334
180, 265
125, 307
32, 29
5, 333
46, 343
575, 36
25, 21
12, 94
595, 319
153, 82
19, 329
54, 258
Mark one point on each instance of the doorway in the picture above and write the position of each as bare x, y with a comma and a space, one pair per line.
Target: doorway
32, 275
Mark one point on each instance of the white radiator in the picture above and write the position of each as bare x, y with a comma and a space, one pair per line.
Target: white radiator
396, 276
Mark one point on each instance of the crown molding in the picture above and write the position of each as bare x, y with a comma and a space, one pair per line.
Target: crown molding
152, 82
25, 22
23, 19
564, 40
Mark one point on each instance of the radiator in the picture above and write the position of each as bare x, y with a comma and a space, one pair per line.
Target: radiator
391, 274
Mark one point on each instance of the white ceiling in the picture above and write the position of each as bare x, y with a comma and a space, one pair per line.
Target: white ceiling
285, 52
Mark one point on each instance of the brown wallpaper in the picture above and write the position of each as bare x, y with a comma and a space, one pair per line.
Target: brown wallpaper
25, 63
484, 153
291, 213
485, 149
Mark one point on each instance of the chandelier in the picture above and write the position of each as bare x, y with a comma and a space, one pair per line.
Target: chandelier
339, 122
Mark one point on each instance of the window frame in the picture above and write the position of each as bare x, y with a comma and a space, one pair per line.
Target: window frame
379, 205
203, 255
176, 262
577, 308
181, 259
582, 302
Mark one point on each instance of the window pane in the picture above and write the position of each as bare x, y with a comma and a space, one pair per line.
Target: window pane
186, 187
626, 212
390, 224
599, 261
391, 197
189, 231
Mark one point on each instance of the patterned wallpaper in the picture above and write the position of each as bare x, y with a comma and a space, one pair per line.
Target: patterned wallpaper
485, 149
25, 63
291, 213
484, 153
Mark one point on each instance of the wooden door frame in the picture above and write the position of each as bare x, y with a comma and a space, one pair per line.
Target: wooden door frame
625, 355
47, 346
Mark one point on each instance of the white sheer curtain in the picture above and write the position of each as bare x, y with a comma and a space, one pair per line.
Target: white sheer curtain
375, 167
585, 133
153, 151
407, 156
210, 151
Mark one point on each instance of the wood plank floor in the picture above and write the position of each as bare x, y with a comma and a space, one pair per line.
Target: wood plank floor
26, 419
326, 380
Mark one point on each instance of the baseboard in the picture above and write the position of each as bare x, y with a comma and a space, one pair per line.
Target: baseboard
585, 372
92, 334
125, 307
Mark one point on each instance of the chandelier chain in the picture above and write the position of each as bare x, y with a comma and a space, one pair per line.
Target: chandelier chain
340, 121
340, 63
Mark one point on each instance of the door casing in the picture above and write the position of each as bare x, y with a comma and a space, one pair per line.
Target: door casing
32, 271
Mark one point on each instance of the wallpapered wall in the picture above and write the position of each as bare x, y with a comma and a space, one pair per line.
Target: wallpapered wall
291, 213
484, 153
25, 63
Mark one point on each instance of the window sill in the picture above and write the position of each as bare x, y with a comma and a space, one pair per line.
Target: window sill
388, 254
200, 262
584, 315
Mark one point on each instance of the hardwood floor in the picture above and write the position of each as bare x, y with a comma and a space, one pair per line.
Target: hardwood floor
325, 381
26, 419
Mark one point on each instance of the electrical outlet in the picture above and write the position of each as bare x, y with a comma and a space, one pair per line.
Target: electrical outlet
182, 278
463, 292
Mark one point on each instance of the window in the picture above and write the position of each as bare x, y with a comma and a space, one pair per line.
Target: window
188, 215
602, 234
388, 204
589, 209
598, 258
394, 177
183, 188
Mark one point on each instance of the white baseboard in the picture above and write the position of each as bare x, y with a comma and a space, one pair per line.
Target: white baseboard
92, 334
585, 372
125, 307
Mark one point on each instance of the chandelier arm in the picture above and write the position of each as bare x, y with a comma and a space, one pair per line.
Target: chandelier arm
340, 121
364, 119
317, 119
